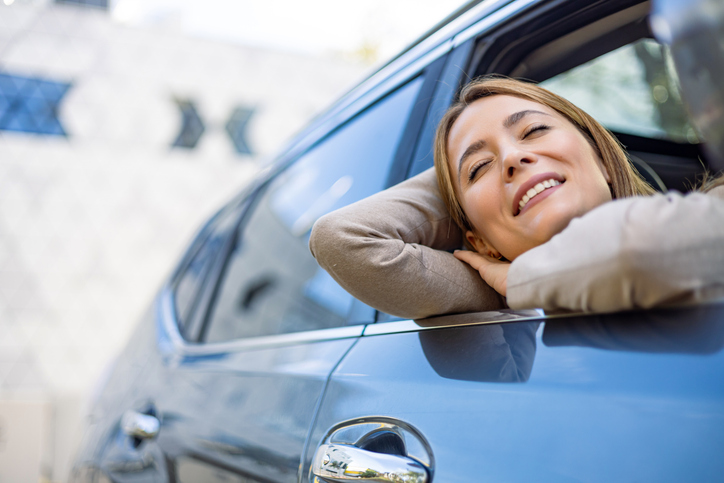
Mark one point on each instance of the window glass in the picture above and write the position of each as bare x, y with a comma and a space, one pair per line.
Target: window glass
632, 90
206, 247
192, 127
31, 104
272, 284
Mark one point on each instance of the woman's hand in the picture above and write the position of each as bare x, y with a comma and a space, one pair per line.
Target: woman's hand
494, 272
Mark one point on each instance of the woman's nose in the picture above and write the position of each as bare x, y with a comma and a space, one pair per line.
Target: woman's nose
516, 160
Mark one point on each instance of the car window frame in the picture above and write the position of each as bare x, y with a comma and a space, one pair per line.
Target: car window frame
189, 329
493, 54
470, 46
472, 49
475, 44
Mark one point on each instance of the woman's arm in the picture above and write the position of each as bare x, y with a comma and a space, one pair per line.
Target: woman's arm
380, 250
635, 252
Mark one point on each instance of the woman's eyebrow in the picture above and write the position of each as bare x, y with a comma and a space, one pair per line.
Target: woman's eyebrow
517, 116
472, 149
479, 145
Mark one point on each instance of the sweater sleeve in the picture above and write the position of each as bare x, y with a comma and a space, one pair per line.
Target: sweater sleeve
388, 250
630, 253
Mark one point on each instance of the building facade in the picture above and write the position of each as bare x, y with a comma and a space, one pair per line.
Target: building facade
115, 143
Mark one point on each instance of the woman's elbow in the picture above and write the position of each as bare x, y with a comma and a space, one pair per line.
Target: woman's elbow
324, 238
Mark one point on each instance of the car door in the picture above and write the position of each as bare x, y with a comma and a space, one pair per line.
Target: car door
250, 328
620, 397
520, 396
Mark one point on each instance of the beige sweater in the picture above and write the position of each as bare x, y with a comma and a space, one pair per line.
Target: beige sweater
388, 250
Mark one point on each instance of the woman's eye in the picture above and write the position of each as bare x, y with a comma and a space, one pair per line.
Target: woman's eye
476, 169
536, 128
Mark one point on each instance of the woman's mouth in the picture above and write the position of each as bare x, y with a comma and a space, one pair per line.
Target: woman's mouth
535, 190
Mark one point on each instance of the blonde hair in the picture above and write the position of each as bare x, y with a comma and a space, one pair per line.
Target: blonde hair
625, 181
708, 182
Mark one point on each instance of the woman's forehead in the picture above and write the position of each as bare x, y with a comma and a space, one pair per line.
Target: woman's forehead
488, 114
500, 106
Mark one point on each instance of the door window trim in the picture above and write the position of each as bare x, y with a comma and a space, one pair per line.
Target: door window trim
172, 343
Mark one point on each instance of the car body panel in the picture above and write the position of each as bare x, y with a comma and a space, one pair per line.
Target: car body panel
624, 397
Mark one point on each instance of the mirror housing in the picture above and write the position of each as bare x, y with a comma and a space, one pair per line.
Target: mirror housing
694, 31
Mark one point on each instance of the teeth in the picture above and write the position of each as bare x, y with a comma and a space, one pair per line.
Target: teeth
550, 183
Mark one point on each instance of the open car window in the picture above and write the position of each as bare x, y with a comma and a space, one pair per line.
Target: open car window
634, 92
633, 89
610, 67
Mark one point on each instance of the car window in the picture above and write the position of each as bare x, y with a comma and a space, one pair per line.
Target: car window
633, 90
203, 251
271, 283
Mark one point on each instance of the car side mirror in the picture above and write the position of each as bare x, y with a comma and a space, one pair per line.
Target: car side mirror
694, 31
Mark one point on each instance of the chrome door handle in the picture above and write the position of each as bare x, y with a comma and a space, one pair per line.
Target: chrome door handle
139, 425
335, 463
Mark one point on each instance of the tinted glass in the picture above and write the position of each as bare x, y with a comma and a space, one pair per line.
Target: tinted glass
206, 248
632, 90
272, 284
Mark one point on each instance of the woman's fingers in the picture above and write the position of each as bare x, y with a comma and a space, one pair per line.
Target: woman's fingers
494, 272
474, 259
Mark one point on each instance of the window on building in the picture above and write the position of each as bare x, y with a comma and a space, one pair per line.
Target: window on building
86, 3
192, 127
237, 127
30, 104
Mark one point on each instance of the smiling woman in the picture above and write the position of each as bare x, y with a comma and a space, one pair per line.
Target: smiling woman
505, 139
501, 183
530, 180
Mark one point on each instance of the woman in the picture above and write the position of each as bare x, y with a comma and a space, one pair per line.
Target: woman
529, 181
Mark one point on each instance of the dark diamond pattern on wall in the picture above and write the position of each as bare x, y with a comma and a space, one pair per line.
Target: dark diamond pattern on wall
191, 125
236, 127
86, 3
30, 104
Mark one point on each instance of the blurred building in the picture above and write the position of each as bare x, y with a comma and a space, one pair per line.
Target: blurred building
115, 143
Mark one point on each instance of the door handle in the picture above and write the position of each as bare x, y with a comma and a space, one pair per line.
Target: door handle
139, 425
339, 463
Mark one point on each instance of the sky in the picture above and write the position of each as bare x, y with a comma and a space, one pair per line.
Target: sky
319, 27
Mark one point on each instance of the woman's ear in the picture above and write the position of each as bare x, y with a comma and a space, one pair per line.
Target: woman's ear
480, 245
604, 171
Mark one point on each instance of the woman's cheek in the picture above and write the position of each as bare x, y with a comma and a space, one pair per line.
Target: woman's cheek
479, 202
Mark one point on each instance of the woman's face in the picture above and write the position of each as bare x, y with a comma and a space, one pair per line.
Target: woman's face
522, 173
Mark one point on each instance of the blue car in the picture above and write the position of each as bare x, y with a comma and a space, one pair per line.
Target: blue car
254, 365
